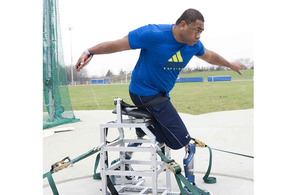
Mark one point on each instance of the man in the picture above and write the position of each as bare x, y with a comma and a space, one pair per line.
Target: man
165, 51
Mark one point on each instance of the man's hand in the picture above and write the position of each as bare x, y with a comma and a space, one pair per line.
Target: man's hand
236, 66
80, 61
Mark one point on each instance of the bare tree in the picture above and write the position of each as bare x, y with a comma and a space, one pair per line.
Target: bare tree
109, 73
78, 77
248, 62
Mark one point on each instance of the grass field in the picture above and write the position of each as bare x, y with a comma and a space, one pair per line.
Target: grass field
199, 98
192, 98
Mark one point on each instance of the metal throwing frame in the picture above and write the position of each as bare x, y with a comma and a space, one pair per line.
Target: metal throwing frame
120, 145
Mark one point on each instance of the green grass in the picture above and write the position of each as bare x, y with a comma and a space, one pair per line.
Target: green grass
97, 97
192, 98
199, 98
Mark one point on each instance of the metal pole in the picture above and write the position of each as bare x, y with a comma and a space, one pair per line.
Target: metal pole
49, 60
72, 81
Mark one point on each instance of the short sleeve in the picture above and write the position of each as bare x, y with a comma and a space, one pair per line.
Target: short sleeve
201, 49
140, 38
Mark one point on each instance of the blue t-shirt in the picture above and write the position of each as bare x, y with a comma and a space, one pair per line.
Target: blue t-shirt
161, 59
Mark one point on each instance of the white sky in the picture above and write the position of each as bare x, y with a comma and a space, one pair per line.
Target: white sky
228, 27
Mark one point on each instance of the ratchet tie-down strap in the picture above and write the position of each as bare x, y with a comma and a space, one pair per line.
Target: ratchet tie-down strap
176, 169
206, 179
171, 164
64, 163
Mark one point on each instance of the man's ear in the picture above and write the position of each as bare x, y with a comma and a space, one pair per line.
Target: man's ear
182, 25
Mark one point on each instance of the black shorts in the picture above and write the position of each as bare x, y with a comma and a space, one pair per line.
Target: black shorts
168, 126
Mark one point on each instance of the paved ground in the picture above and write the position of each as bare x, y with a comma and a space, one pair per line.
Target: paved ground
228, 130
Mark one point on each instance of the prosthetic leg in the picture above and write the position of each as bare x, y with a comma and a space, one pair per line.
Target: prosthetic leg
188, 163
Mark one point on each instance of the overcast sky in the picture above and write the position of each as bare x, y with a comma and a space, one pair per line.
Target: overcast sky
228, 27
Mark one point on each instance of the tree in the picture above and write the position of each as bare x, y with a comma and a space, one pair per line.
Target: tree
122, 72
249, 63
220, 68
78, 77
109, 73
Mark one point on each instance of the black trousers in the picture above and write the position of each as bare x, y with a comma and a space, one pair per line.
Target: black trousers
168, 126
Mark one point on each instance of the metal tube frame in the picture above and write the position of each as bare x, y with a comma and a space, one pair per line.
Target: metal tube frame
119, 145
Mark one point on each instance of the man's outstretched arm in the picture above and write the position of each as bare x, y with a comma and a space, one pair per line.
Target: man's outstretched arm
104, 48
215, 59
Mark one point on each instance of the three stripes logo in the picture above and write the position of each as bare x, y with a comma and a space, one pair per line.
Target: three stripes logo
176, 58
175, 62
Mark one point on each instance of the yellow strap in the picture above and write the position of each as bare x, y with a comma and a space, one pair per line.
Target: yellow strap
173, 166
199, 143
61, 164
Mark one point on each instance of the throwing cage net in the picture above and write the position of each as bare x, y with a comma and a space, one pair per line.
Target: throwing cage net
57, 107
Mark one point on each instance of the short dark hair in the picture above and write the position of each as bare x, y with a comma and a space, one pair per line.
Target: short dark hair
189, 16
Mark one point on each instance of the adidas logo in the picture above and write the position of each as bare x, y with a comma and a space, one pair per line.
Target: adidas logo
175, 62
176, 58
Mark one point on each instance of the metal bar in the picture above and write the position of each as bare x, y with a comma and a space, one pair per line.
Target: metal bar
128, 173
137, 140
114, 143
103, 172
154, 170
102, 160
161, 169
114, 166
127, 149
114, 124
119, 110
49, 62
145, 191
168, 171
141, 162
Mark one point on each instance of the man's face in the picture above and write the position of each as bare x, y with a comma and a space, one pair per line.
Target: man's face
190, 33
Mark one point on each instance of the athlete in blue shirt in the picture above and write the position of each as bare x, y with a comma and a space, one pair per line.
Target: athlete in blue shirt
164, 51
162, 58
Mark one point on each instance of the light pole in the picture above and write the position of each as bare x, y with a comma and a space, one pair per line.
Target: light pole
72, 81
126, 72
